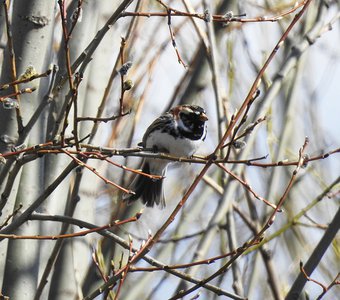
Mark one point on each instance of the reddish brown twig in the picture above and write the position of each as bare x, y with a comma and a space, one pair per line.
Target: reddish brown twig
26, 150
73, 84
122, 272
260, 233
93, 170
247, 186
258, 236
96, 261
216, 18
247, 131
228, 19
336, 281
105, 120
172, 35
18, 92
71, 235
325, 288
207, 261
133, 170
100, 152
24, 80
125, 269
122, 75
75, 17
302, 270
243, 119
13, 64
203, 160
227, 134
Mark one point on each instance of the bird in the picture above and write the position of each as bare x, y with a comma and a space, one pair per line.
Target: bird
178, 132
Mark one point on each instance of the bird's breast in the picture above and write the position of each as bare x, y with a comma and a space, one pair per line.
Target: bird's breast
176, 146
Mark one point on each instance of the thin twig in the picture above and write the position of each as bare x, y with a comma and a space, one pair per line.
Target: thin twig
17, 93
216, 18
119, 241
19, 220
93, 170
257, 237
28, 79
247, 186
70, 235
13, 64
295, 218
45, 101
172, 35
105, 120
11, 216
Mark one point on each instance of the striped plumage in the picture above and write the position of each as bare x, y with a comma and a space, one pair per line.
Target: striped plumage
178, 132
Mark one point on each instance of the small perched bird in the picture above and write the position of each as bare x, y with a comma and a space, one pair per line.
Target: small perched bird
178, 132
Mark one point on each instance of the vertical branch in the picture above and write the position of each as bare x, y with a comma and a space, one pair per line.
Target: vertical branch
66, 42
13, 64
212, 55
76, 16
172, 35
122, 74
232, 241
73, 90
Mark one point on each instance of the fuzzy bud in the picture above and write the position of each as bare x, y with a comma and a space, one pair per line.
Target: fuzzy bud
127, 85
207, 16
30, 72
228, 15
305, 158
239, 144
125, 68
10, 103
77, 15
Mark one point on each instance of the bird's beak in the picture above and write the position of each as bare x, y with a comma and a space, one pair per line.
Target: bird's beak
203, 117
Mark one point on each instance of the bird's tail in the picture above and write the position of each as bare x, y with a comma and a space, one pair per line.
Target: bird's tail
148, 189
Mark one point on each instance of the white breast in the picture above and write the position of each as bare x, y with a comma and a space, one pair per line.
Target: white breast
167, 143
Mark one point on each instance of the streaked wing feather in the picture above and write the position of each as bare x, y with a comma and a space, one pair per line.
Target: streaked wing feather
159, 124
